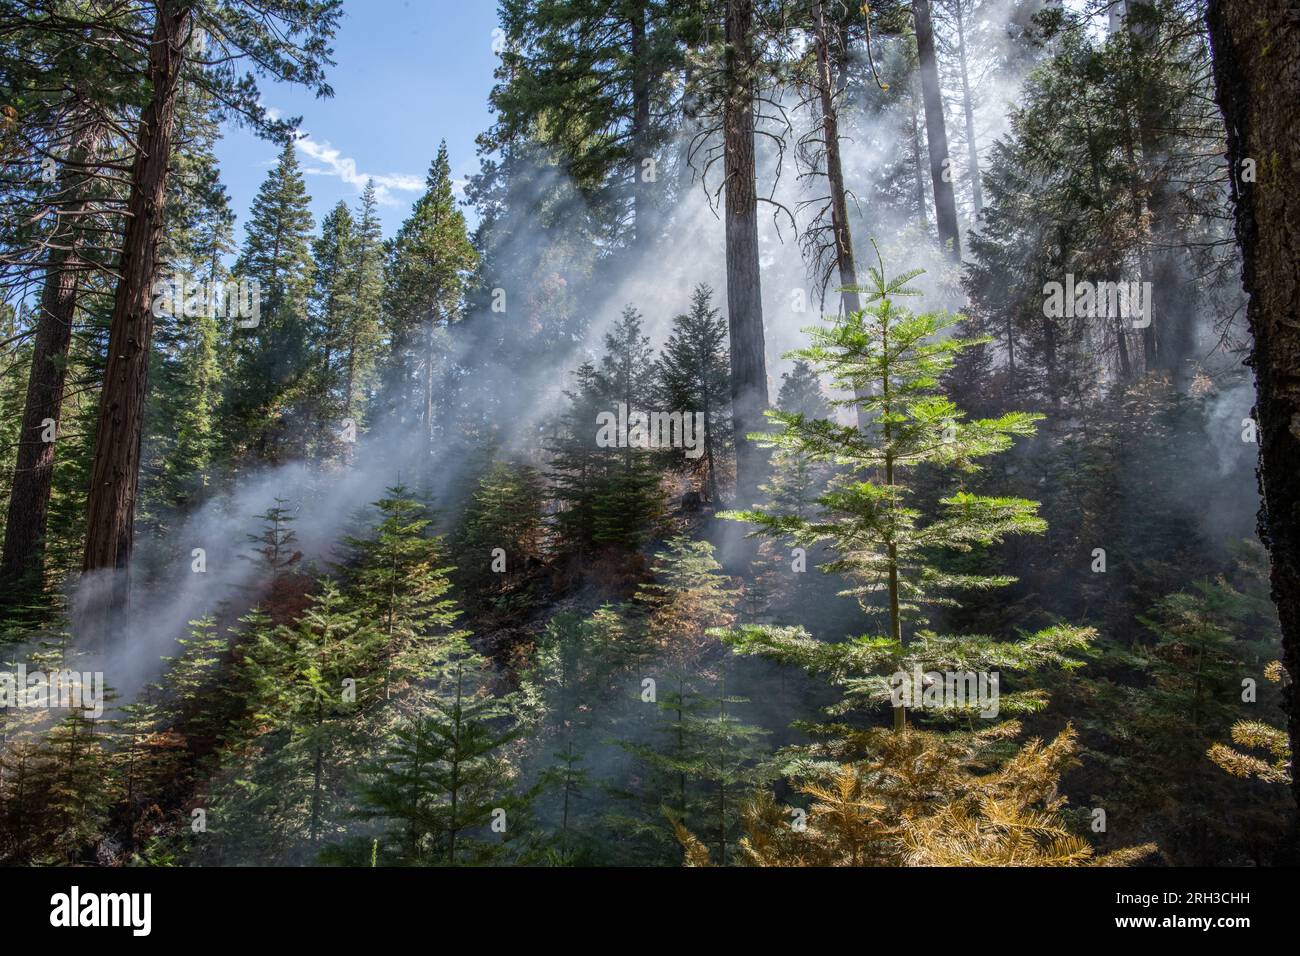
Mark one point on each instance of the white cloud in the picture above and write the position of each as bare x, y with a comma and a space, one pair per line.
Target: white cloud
334, 163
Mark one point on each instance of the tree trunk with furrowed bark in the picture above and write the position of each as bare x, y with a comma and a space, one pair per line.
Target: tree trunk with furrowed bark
115, 473
1256, 45
744, 288
29, 502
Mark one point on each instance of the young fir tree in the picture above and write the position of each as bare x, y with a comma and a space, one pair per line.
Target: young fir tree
578, 467
701, 763
284, 787
429, 263
796, 479
276, 554
502, 530
920, 803
79, 789
702, 756
1259, 736
397, 581
1205, 645
694, 376
687, 595
58, 768
890, 363
197, 694
444, 788
574, 679
267, 386
149, 760
801, 392
630, 502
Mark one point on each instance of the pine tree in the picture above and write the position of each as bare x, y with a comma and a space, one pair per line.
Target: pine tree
801, 392
429, 264
920, 804
694, 373
365, 296
285, 780
574, 677
268, 385
398, 581
592, 82
630, 503
578, 465
890, 362
285, 39
181, 438
502, 531
444, 778
331, 309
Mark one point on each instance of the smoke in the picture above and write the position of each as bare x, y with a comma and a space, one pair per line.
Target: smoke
524, 397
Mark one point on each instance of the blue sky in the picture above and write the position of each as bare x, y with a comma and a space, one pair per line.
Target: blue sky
409, 73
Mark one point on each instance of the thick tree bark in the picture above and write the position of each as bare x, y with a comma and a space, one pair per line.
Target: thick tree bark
1256, 46
945, 204
115, 474
744, 290
29, 502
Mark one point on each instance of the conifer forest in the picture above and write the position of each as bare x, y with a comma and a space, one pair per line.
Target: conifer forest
649, 433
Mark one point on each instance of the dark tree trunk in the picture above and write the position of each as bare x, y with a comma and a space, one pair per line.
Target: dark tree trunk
945, 205
834, 168
1256, 46
744, 290
841, 233
115, 474
1170, 338
29, 502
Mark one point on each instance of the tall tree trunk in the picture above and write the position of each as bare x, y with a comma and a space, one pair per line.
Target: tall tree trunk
29, 501
945, 204
968, 107
1137, 213
428, 387
844, 260
115, 474
918, 164
1256, 46
641, 206
744, 291
841, 233
1171, 332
